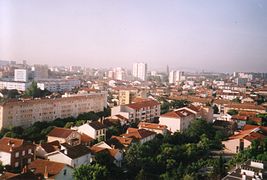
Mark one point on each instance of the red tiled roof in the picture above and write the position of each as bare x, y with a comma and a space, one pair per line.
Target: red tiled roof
85, 138
249, 127
151, 126
239, 117
137, 133
245, 106
143, 104
177, 113
53, 168
7, 143
60, 132
123, 140
111, 152
191, 99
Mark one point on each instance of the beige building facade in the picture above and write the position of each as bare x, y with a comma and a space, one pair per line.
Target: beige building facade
27, 112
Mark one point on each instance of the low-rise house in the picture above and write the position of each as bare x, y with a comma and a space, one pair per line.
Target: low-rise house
115, 154
73, 156
95, 130
120, 142
50, 169
86, 140
139, 135
116, 119
177, 120
147, 110
16, 152
243, 139
157, 128
43, 149
64, 135
251, 169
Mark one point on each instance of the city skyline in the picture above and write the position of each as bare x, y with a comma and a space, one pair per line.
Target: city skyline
220, 36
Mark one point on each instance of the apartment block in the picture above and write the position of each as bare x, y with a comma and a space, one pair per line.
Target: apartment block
146, 110
27, 112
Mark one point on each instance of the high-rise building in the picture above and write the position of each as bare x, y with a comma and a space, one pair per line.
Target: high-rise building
40, 72
176, 76
140, 71
21, 75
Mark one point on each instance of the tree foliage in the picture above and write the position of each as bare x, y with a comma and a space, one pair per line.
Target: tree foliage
90, 172
35, 92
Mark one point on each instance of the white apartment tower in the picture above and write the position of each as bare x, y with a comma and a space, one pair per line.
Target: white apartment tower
176, 76
21, 75
140, 71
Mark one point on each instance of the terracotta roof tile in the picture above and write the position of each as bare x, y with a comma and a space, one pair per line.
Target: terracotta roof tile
143, 104
7, 143
53, 168
60, 132
179, 113
151, 126
137, 133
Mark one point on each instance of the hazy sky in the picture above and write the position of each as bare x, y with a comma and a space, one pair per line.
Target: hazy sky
219, 35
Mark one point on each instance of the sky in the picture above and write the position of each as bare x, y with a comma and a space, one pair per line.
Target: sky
196, 35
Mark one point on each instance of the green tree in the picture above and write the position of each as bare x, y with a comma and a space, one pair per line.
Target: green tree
104, 158
165, 107
33, 90
90, 172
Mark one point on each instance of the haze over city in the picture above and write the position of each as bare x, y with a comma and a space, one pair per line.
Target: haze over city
198, 35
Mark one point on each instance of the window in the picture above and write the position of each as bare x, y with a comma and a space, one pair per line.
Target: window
65, 172
17, 154
16, 164
23, 153
29, 151
29, 160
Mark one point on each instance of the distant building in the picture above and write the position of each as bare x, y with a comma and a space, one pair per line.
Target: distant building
176, 76
59, 85
20, 86
21, 75
127, 95
140, 71
40, 72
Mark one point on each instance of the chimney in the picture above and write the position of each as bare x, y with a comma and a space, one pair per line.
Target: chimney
244, 177
46, 173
